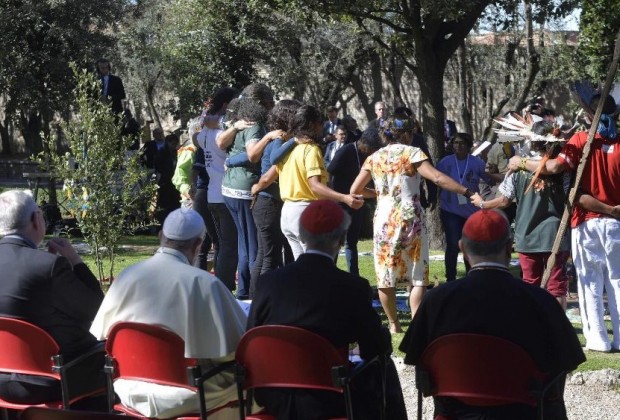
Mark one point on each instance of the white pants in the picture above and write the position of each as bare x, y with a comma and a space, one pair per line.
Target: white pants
596, 254
289, 223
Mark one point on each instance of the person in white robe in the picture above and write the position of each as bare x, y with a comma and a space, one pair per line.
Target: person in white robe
166, 290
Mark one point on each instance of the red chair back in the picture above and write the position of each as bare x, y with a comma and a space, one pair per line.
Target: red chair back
26, 349
291, 357
481, 370
148, 353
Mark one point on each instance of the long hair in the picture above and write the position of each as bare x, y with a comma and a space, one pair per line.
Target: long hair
221, 96
282, 113
304, 122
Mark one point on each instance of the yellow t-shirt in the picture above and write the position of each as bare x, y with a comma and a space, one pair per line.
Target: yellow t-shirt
304, 161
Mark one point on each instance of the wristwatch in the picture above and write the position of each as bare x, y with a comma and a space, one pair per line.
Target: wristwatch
481, 205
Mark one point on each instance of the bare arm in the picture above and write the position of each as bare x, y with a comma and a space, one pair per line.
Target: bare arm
255, 150
499, 202
227, 137
324, 192
587, 202
266, 180
440, 179
359, 185
552, 167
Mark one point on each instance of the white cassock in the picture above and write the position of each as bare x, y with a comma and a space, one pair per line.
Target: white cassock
166, 290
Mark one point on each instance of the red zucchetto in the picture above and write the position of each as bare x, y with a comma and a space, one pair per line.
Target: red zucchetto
321, 216
486, 226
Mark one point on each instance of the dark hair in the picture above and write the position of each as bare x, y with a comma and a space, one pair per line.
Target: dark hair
467, 138
260, 92
282, 113
403, 112
231, 109
251, 110
221, 96
342, 127
371, 138
103, 61
172, 138
542, 128
304, 120
394, 127
331, 108
608, 108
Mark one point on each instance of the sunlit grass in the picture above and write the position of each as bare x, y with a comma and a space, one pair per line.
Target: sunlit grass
138, 248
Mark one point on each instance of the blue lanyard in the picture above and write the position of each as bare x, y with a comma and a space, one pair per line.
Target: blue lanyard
458, 171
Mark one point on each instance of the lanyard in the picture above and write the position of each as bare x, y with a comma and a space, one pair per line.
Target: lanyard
458, 171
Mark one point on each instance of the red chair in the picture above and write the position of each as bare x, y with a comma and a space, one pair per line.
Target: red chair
153, 354
42, 413
291, 357
29, 350
480, 370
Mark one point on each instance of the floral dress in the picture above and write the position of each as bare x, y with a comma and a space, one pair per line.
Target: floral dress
400, 236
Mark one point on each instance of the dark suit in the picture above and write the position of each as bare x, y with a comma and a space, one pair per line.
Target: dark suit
329, 127
312, 293
377, 123
43, 289
115, 92
162, 162
491, 301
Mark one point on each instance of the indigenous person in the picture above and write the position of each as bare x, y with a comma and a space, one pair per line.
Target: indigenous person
455, 209
538, 216
400, 237
343, 170
166, 290
489, 300
53, 290
308, 294
595, 236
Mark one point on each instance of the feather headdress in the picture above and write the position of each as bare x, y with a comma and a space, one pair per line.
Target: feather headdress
519, 129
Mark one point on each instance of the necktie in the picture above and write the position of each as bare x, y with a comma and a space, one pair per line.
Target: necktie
105, 86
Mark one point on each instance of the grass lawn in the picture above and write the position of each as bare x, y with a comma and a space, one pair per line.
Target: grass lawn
137, 248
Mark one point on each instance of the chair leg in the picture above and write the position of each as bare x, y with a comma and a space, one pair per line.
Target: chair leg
419, 404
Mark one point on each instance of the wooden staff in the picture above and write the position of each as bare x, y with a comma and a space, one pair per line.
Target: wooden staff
582, 163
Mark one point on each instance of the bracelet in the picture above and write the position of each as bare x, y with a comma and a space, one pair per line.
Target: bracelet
481, 205
523, 163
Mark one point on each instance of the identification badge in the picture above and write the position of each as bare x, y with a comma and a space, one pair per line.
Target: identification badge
462, 199
608, 148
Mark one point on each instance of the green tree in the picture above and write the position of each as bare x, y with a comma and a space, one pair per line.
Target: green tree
106, 188
600, 21
38, 38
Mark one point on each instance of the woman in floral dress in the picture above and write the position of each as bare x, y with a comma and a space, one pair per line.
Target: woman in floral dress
400, 237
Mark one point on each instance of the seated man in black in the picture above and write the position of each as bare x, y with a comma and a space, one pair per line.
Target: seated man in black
312, 293
489, 300
53, 290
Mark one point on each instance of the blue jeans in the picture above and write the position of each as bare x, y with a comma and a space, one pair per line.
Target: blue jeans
453, 228
225, 258
246, 242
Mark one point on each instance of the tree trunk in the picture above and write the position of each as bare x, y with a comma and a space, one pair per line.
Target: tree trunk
31, 131
464, 88
533, 59
6, 137
431, 97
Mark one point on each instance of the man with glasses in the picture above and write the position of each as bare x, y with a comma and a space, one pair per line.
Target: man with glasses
54, 290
